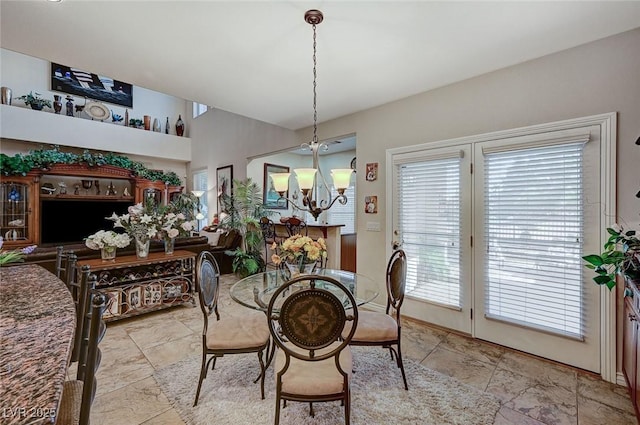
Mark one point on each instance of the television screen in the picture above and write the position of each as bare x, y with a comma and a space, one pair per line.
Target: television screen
82, 83
70, 221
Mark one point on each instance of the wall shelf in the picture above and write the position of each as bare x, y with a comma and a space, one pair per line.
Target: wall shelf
49, 128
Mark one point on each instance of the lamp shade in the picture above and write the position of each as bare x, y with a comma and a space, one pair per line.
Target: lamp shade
199, 216
305, 177
341, 177
197, 193
280, 181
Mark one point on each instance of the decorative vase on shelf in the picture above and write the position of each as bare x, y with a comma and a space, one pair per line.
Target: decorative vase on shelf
6, 95
69, 106
169, 245
57, 105
179, 126
166, 127
156, 125
147, 122
126, 118
108, 253
142, 247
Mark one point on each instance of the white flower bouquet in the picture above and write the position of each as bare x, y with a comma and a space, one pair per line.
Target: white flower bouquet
140, 222
173, 225
107, 239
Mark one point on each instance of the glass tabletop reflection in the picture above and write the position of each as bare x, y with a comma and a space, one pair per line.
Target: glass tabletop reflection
255, 291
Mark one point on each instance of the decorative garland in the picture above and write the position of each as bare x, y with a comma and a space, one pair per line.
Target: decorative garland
20, 164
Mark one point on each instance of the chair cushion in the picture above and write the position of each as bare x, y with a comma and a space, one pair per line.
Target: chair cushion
374, 327
251, 331
314, 378
70, 404
213, 237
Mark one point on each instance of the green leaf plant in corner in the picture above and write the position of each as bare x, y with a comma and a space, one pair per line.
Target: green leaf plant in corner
621, 256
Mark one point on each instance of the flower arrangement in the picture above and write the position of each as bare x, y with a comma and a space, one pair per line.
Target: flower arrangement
107, 239
140, 222
14, 256
298, 249
173, 225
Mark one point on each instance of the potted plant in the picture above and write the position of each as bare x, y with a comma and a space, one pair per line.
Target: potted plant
35, 101
244, 210
621, 256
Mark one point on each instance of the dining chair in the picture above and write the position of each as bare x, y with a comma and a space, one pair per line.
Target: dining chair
313, 363
296, 226
385, 329
268, 228
249, 334
62, 260
78, 394
80, 286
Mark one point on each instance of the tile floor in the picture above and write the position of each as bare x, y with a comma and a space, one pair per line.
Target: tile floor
533, 391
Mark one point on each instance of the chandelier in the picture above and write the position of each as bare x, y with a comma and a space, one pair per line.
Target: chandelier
310, 179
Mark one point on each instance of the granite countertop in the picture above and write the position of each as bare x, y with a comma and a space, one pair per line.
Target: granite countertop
37, 322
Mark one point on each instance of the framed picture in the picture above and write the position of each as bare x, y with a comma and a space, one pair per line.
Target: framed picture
113, 303
134, 297
371, 204
83, 83
270, 196
372, 172
224, 180
152, 294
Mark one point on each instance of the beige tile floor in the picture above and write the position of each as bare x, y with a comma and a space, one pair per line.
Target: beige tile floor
532, 391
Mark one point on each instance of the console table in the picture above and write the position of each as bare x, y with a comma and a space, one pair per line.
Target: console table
136, 286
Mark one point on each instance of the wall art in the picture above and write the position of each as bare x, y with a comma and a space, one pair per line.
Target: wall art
271, 198
372, 171
86, 84
224, 180
371, 204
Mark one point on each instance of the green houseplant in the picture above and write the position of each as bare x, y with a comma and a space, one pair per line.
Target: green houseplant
621, 256
245, 208
35, 101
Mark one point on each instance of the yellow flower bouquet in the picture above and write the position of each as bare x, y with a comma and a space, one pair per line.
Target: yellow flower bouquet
299, 250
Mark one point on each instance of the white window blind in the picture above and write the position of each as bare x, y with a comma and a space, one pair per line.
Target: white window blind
429, 204
344, 214
534, 232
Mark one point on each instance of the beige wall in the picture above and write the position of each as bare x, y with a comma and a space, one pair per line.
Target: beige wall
596, 78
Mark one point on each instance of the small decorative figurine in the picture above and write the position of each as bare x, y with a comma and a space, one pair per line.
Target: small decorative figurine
63, 188
111, 189
76, 189
69, 106
125, 192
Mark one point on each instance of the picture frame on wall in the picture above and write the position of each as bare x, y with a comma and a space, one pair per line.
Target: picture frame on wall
271, 198
224, 180
86, 84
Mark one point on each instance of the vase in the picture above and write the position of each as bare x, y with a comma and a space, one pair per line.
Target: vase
142, 247
179, 126
69, 105
156, 125
166, 127
169, 245
57, 105
297, 269
6, 95
108, 253
147, 122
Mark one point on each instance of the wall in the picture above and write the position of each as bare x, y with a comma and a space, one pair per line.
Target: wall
220, 138
595, 78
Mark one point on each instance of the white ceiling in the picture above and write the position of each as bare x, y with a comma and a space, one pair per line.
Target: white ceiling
255, 58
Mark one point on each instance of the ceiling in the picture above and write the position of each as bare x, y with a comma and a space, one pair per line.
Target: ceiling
255, 58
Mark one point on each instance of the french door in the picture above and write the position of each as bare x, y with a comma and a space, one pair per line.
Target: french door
494, 232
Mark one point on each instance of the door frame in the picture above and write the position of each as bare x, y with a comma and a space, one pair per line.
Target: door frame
608, 213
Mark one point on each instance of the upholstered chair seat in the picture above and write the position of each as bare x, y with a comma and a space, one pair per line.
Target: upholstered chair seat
324, 375
374, 326
250, 332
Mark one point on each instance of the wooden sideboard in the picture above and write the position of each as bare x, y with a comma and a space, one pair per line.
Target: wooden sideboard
139, 285
631, 342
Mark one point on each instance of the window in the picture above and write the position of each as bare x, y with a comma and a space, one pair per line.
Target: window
428, 210
533, 230
344, 214
199, 109
200, 182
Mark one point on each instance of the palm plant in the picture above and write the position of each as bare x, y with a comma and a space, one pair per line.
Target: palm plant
244, 209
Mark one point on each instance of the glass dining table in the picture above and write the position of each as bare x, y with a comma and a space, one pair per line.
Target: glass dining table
255, 291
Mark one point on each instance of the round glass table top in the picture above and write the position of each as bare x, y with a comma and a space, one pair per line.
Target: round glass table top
255, 291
